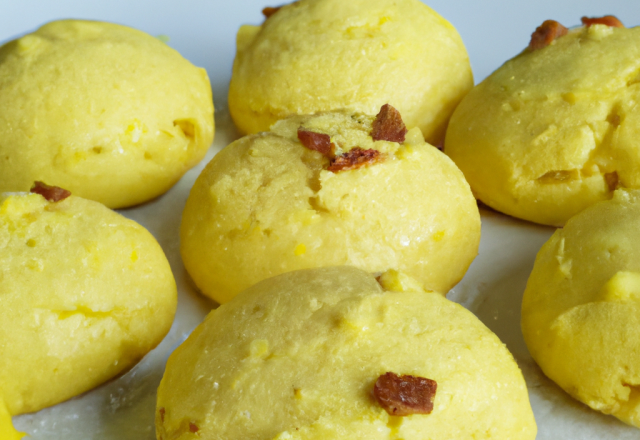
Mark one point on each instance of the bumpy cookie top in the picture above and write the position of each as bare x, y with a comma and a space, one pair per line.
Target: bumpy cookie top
328, 55
326, 353
106, 111
581, 308
84, 294
554, 129
328, 190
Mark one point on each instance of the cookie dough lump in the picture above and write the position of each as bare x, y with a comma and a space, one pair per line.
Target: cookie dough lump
325, 55
84, 294
329, 190
556, 128
105, 111
330, 354
581, 307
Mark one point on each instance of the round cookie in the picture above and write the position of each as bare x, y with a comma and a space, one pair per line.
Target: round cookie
325, 55
581, 307
106, 111
299, 356
266, 204
554, 130
84, 294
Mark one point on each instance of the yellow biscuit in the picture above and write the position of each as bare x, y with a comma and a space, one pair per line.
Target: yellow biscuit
106, 111
581, 308
297, 356
554, 130
84, 294
266, 205
326, 55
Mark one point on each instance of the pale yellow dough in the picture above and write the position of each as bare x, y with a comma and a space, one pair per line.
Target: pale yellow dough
266, 205
105, 111
554, 130
84, 294
581, 308
356, 55
297, 356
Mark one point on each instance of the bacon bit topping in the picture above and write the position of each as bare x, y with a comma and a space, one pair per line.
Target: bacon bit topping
162, 412
405, 395
316, 141
544, 35
193, 427
608, 20
612, 180
354, 158
51, 193
388, 125
269, 11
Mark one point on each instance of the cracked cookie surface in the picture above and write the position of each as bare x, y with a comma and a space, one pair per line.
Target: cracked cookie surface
266, 204
554, 130
298, 357
316, 56
84, 294
127, 117
581, 307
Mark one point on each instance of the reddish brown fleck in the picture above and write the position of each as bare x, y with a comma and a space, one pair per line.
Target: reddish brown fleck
51, 193
608, 20
316, 141
612, 180
405, 395
269, 11
388, 125
544, 35
162, 412
354, 158
193, 427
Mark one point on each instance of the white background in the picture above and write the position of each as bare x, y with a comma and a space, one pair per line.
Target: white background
204, 32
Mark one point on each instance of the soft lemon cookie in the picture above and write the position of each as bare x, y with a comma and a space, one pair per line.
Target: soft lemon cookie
106, 111
324, 55
268, 204
84, 294
330, 354
581, 307
554, 129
